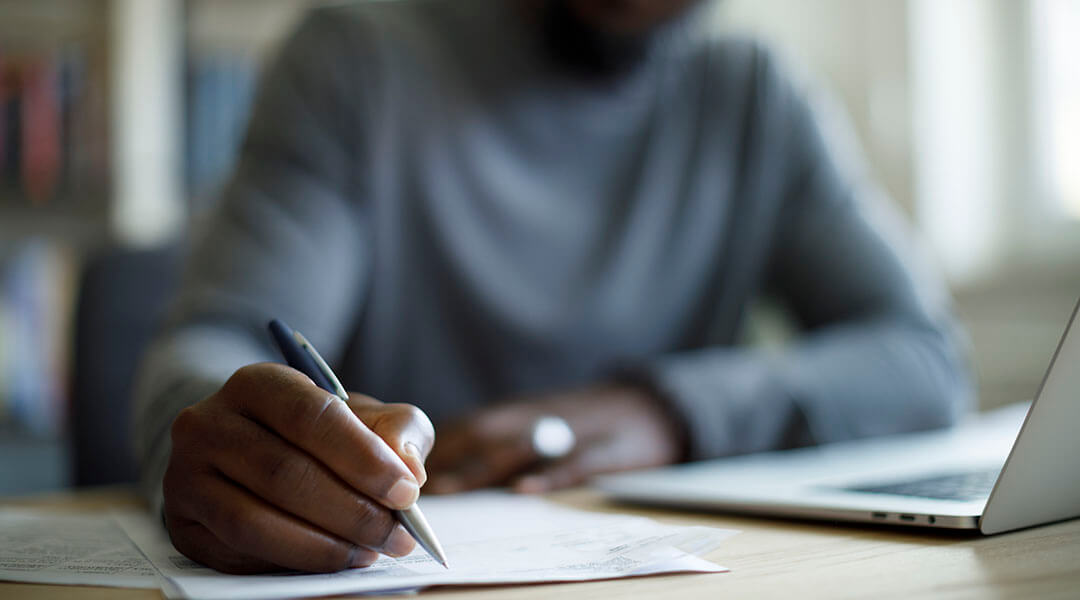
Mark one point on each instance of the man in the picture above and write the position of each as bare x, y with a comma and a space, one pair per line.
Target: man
487, 211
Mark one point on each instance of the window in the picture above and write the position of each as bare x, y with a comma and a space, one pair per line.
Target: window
1056, 102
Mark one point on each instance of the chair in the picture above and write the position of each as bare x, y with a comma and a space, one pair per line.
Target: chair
123, 294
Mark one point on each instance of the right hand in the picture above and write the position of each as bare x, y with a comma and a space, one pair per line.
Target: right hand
272, 472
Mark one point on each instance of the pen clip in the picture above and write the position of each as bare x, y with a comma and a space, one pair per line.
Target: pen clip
295, 356
339, 390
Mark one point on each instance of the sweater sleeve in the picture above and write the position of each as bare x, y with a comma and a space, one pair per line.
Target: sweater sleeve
287, 242
877, 351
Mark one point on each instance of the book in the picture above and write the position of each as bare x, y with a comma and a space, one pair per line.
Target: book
220, 90
37, 295
41, 135
52, 126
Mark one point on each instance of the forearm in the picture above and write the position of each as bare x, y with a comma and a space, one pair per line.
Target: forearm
846, 381
288, 241
181, 368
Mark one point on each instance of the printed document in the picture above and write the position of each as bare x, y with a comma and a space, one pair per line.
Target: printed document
80, 549
489, 538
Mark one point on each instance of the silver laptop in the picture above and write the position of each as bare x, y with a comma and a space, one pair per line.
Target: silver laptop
1011, 468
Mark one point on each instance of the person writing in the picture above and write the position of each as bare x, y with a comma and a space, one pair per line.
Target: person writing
485, 213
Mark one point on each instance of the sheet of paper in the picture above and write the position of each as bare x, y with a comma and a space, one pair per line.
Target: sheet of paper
78, 549
488, 537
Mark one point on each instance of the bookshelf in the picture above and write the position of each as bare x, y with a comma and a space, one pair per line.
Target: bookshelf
119, 120
55, 177
226, 44
53, 137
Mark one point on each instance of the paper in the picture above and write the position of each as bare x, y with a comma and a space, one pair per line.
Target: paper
488, 537
77, 549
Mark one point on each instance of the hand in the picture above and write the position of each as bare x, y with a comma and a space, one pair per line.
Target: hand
617, 428
273, 473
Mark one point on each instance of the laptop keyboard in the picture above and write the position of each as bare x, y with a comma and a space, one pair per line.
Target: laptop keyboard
956, 486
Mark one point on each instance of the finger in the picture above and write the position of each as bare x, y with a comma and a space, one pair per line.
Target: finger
484, 450
293, 481
196, 542
494, 462
570, 471
454, 442
253, 528
324, 427
404, 427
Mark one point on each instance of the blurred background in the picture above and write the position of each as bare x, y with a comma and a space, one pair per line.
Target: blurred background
120, 119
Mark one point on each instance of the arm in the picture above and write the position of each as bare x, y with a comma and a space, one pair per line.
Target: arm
252, 466
878, 353
284, 212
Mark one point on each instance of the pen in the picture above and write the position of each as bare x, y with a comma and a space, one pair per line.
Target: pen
302, 356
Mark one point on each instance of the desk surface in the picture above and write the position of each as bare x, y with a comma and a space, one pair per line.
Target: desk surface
770, 558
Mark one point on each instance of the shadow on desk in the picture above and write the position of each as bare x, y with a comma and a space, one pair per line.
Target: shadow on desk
914, 532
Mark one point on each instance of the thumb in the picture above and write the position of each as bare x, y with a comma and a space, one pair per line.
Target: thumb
404, 427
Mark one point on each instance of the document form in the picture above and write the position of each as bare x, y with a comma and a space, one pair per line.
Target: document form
489, 538
81, 549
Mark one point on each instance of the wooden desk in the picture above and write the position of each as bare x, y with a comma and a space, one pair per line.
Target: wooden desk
769, 559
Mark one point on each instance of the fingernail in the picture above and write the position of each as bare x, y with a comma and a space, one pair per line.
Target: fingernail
362, 557
400, 543
413, 451
403, 494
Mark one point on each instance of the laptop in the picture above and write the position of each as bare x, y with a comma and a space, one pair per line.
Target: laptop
1008, 469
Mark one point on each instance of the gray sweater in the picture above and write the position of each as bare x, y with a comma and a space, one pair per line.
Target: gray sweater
452, 219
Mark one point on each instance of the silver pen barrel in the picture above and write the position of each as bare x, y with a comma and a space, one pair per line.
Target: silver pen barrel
416, 524
411, 518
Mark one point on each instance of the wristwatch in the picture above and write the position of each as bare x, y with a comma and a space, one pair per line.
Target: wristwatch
552, 438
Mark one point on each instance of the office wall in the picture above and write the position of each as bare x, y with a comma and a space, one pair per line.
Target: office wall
858, 51
940, 95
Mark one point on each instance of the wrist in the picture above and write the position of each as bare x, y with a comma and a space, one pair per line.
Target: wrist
644, 392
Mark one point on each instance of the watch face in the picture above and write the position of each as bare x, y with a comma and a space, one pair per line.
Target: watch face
552, 437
